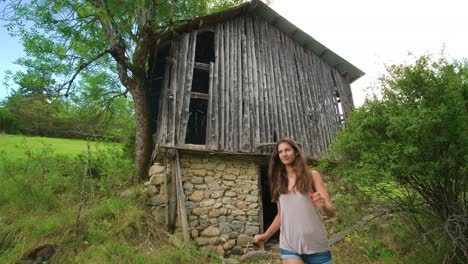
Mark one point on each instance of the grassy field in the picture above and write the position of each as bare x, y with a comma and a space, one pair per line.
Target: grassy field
14, 145
41, 199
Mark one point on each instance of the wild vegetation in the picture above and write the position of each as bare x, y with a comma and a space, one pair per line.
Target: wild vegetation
409, 149
46, 199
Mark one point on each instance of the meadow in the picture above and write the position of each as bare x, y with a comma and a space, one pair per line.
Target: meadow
15, 145
47, 199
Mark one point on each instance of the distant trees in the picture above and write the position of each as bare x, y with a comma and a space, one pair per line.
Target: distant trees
411, 148
32, 110
113, 39
39, 116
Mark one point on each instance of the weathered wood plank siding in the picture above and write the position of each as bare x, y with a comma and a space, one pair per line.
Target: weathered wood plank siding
262, 86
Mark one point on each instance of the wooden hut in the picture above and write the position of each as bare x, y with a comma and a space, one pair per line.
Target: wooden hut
229, 86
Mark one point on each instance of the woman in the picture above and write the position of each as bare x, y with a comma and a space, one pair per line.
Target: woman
300, 196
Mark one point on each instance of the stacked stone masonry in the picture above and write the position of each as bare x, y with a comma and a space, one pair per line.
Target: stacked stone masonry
222, 200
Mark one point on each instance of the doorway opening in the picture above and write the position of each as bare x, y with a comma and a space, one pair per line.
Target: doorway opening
269, 209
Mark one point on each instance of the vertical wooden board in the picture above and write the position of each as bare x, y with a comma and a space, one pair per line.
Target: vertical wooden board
286, 77
234, 88
270, 80
260, 99
221, 89
327, 104
279, 87
300, 97
182, 72
181, 202
309, 102
245, 146
321, 100
231, 66
264, 91
172, 204
215, 118
209, 144
273, 86
172, 95
331, 114
239, 26
250, 70
304, 97
287, 84
188, 86
163, 116
291, 76
296, 106
255, 84
312, 74
227, 85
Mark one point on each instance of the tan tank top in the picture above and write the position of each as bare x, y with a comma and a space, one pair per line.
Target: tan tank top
302, 227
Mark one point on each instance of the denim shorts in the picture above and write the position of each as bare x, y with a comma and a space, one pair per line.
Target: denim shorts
316, 258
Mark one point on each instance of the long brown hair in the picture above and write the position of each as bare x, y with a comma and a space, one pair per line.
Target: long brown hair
277, 171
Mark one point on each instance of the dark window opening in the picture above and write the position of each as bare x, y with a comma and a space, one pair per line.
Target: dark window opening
338, 107
270, 210
196, 126
200, 81
204, 51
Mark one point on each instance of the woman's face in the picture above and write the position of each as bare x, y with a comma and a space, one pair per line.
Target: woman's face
286, 153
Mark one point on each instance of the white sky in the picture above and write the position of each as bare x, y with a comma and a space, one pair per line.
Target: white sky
369, 34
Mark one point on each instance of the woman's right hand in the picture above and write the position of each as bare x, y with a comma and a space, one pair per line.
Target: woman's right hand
260, 239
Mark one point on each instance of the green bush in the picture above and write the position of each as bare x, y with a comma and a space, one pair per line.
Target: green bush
410, 149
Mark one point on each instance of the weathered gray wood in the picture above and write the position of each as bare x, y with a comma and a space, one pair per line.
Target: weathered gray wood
236, 89
270, 79
222, 79
201, 66
297, 99
240, 71
252, 83
259, 80
172, 95
187, 89
209, 123
326, 104
179, 94
303, 97
215, 91
167, 190
308, 103
161, 131
286, 86
181, 202
172, 204
315, 104
245, 146
227, 86
195, 95
282, 113
255, 85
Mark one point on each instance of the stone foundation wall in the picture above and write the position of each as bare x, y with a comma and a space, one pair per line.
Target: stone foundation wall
222, 199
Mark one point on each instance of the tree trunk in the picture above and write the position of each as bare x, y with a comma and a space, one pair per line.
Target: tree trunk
143, 140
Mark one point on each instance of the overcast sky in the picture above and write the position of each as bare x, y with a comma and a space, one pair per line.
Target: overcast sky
369, 34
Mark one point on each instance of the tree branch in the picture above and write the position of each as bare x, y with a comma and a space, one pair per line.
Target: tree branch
82, 67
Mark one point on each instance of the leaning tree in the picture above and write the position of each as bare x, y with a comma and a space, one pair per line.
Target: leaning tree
112, 39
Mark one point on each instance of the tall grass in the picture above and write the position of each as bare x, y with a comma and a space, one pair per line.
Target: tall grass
42, 193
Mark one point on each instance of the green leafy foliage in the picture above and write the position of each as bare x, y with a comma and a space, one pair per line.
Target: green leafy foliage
410, 147
100, 42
